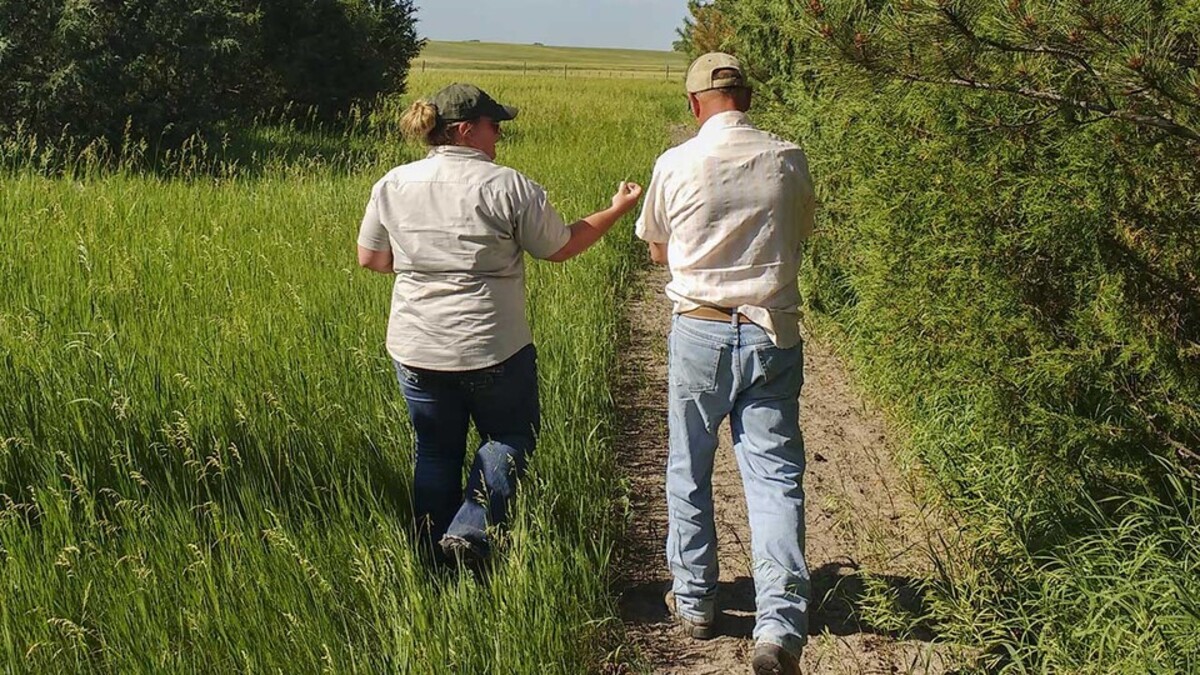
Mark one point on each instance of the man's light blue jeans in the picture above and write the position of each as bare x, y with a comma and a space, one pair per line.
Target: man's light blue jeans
725, 369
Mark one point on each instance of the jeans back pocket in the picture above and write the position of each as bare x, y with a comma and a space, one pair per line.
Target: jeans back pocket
693, 366
781, 369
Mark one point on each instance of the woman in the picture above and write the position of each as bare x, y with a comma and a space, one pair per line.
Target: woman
453, 228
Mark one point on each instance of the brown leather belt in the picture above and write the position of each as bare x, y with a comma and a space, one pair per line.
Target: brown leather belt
715, 314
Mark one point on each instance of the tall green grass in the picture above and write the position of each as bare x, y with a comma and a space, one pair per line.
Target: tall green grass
204, 456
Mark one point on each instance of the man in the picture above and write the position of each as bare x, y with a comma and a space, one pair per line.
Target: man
727, 211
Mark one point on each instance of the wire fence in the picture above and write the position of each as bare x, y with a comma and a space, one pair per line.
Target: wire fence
565, 70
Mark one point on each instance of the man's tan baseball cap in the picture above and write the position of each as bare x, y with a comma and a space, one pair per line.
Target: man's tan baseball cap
700, 73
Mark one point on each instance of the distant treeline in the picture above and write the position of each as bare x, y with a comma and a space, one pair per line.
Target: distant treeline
1009, 247
164, 69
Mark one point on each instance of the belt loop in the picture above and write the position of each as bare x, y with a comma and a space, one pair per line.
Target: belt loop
733, 318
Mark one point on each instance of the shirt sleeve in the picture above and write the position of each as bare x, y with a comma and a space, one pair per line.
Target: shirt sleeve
372, 234
652, 225
807, 201
539, 228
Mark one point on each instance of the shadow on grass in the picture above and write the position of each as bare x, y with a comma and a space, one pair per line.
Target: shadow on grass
251, 150
259, 151
838, 593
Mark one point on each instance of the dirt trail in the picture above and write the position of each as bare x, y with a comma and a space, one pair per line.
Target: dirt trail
860, 516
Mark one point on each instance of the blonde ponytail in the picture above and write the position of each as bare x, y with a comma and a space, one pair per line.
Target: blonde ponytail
419, 122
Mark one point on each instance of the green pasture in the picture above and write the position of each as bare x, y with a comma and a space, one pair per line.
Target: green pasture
535, 58
204, 456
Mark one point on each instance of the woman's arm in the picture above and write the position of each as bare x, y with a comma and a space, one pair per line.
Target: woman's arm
376, 261
374, 246
589, 230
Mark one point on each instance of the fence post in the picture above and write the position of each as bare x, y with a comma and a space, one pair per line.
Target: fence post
668, 71
564, 71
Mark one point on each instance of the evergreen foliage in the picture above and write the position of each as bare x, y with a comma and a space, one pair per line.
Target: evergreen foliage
170, 68
328, 55
704, 30
1010, 247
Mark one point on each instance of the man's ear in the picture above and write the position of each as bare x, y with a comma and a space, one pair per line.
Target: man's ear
694, 104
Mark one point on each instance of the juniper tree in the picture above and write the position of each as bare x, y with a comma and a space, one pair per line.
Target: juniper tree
705, 29
1137, 62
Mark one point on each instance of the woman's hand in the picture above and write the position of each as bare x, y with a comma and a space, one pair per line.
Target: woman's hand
627, 196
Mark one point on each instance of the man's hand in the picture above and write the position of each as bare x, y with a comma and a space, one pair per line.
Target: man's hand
627, 196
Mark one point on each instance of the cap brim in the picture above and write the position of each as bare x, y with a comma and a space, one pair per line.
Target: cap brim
505, 112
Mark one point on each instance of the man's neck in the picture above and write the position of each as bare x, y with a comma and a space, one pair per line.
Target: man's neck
717, 108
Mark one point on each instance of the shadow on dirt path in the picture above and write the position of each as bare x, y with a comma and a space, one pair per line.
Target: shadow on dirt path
861, 516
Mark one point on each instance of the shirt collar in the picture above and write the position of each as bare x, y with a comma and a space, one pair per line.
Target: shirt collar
725, 120
457, 151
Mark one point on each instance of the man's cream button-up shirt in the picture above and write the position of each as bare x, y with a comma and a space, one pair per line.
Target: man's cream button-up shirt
458, 225
733, 205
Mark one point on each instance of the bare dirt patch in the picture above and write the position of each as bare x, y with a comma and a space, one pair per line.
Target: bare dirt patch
861, 516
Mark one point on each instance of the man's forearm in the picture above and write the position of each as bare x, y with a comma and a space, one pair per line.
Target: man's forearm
658, 253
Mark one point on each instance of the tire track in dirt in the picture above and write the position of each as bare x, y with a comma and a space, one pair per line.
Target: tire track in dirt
860, 515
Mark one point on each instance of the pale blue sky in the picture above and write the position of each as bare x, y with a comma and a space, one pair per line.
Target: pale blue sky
633, 24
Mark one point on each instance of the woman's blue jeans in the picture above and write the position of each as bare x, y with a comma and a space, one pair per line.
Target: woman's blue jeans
502, 401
